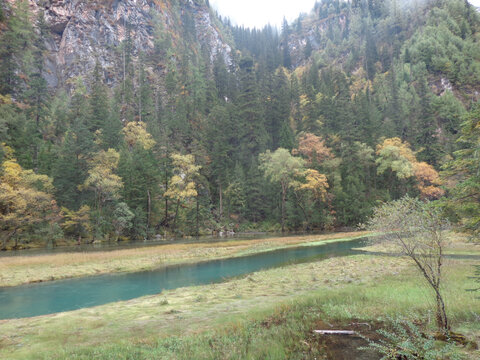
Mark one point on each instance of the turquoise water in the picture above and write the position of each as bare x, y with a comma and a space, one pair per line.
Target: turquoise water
66, 295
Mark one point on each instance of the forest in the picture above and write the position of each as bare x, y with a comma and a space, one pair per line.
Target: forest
307, 127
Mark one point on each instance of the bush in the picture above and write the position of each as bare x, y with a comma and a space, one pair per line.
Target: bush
405, 341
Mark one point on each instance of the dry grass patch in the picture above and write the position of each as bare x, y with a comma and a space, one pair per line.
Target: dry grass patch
456, 244
355, 287
18, 270
186, 311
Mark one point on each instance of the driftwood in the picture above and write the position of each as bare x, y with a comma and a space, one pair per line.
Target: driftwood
334, 332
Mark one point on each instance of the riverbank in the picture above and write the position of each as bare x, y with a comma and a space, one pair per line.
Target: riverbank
24, 269
267, 314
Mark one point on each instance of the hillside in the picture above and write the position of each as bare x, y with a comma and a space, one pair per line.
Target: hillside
130, 119
76, 34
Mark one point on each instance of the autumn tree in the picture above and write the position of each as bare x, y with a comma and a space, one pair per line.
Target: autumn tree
136, 134
103, 181
76, 223
313, 148
398, 158
26, 200
310, 186
182, 185
281, 167
428, 181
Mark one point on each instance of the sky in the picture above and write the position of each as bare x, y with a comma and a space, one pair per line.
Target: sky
257, 13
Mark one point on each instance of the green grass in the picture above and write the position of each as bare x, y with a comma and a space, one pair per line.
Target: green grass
16, 270
265, 315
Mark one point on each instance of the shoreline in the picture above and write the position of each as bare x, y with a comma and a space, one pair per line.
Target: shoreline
30, 269
359, 288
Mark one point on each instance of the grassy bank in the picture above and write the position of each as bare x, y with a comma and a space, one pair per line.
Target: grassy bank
18, 270
268, 314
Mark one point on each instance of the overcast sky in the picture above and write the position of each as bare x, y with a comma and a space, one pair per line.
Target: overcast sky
257, 13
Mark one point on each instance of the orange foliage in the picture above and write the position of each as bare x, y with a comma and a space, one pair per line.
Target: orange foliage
399, 158
428, 181
314, 148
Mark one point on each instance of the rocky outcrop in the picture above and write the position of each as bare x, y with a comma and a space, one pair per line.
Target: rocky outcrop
314, 33
83, 32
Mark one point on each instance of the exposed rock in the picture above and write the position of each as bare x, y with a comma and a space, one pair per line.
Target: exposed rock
84, 32
313, 32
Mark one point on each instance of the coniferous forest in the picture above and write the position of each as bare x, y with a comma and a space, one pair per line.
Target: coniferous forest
307, 127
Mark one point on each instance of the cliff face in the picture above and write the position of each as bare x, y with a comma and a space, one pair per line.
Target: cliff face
84, 31
313, 34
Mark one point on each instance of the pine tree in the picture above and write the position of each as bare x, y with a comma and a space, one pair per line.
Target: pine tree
99, 102
252, 133
16, 48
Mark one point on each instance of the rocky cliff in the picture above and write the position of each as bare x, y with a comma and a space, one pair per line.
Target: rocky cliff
312, 35
82, 32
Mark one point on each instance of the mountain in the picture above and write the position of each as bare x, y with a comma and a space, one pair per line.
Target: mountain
135, 118
80, 33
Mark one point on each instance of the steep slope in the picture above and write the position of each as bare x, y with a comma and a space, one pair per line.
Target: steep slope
80, 33
168, 113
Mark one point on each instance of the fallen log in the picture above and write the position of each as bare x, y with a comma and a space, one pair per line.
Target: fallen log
334, 332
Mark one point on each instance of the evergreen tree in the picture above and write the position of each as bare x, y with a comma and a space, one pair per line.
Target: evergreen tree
252, 133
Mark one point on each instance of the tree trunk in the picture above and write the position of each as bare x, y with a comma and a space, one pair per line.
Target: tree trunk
35, 146
284, 197
442, 321
307, 220
221, 200
198, 210
166, 188
149, 209
6, 238
176, 215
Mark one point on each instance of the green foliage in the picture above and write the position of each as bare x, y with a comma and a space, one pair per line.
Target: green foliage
332, 85
464, 171
122, 218
404, 340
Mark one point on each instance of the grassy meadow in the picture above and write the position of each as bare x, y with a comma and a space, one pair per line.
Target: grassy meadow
268, 314
17, 270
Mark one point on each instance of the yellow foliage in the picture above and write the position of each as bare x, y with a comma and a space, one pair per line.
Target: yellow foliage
182, 185
403, 148
7, 151
76, 221
6, 99
136, 134
101, 176
316, 183
37, 181
398, 157
12, 173
360, 83
24, 198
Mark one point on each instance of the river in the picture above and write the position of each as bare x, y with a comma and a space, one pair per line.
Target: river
71, 294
